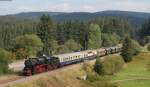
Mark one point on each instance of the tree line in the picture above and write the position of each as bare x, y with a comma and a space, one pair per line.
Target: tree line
56, 37
26, 38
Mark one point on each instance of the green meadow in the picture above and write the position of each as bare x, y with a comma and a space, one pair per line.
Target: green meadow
135, 73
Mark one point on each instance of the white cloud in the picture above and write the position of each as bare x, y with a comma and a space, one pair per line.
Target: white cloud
133, 6
61, 7
74, 5
126, 5
88, 8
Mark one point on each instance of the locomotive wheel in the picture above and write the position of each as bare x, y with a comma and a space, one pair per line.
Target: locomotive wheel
33, 71
54, 67
28, 72
49, 67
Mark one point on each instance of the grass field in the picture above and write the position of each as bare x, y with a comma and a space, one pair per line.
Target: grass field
135, 73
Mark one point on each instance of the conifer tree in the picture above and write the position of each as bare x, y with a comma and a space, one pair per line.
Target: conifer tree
45, 32
127, 49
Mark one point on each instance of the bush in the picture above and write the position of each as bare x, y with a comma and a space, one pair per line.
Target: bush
87, 67
98, 67
109, 65
148, 47
4, 55
136, 47
112, 65
147, 39
92, 77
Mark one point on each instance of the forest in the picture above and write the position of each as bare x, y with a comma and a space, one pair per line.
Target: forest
25, 38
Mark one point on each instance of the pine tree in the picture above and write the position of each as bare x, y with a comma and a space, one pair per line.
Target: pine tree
127, 49
45, 32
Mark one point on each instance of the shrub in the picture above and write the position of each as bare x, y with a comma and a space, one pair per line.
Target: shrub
98, 67
148, 47
92, 77
136, 47
147, 39
109, 65
112, 65
4, 55
87, 67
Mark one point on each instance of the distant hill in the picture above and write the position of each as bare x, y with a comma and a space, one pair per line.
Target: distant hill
35, 15
133, 17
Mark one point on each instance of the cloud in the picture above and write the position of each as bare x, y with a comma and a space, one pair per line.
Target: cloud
133, 5
88, 8
126, 5
73, 5
63, 7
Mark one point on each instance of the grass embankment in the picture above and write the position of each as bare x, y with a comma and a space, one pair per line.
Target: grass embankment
135, 73
66, 77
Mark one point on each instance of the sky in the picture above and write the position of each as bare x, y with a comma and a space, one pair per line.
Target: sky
17, 6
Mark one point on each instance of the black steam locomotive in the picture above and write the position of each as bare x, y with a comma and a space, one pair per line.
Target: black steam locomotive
41, 64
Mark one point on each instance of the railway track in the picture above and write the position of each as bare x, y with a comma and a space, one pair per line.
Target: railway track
23, 79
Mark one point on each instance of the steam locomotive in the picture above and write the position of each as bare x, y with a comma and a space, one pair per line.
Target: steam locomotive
48, 63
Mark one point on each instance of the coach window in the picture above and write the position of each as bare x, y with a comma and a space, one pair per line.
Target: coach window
69, 58
61, 59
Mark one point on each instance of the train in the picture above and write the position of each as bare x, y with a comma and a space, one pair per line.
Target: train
48, 63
